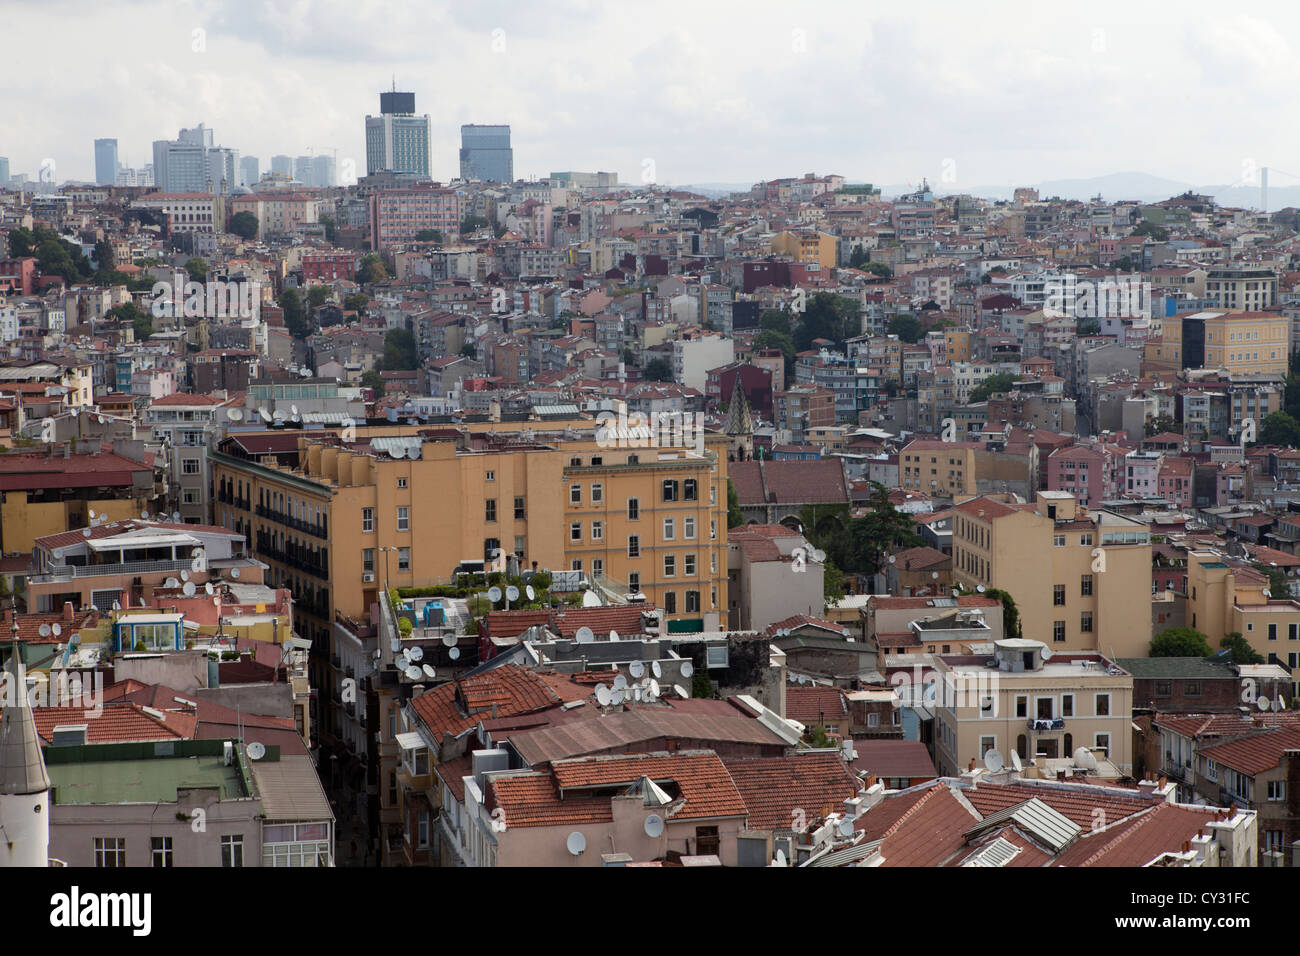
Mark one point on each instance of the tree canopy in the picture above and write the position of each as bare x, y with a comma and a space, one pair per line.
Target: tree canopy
1180, 642
1280, 428
906, 327
826, 316
244, 225
658, 370
400, 351
295, 314
992, 386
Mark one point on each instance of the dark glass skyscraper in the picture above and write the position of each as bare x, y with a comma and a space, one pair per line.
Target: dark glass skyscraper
485, 154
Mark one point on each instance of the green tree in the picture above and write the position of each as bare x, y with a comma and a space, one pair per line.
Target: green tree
244, 225
735, 517
880, 269
197, 268
863, 543
468, 350
1240, 651
1151, 230
826, 316
428, 235
859, 257
832, 581
317, 296
1280, 429
1162, 424
373, 380
991, 386
701, 686
295, 314
372, 269
141, 322
1278, 586
400, 351
1088, 327
775, 320
658, 370
906, 327
356, 302
22, 243
1180, 642
105, 260
1011, 627
331, 229
472, 224
772, 339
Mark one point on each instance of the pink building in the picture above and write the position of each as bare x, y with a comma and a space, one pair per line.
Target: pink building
1176, 480
1087, 472
398, 215
1142, 474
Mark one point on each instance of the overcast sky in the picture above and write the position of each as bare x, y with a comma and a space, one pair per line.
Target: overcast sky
681, 92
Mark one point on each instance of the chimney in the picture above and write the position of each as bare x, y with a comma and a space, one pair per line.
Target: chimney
1147, 787
1060, 776
970, 767
69, 612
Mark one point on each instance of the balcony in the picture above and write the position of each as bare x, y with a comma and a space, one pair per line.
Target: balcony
1045, 725
69, 571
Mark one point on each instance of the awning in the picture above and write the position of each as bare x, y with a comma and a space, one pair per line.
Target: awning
411, 741
130, 542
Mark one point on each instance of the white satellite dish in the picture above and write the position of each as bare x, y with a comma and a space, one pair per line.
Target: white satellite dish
654, 826
429, 671
1015, 762
189, 589
144, 515
654, 689
208, 587
681, 691
256, 750
234, 573
1083, 758
399, 452
416, 653
91, 512
780, 858
656, 669
454, 653
893, 560
585, 635
44, 630
57, 629
414, 673
980, 588
613, 636
85, 532
532, 595
576, 843
176, 516
603, 695
449, 640
590, 599
494, 595
636, 669
620, 682
846, 827
512, 593
617, 696
1047, 653
185, 575
993, 761
687, 668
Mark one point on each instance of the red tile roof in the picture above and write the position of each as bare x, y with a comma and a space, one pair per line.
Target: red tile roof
116, 723
1138, 841
775, 788
815, 705
893, 758
923, 829
1076, 804
1256, 752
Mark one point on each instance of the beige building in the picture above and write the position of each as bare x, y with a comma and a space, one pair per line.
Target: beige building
1242, 343
1081, 580
1041, 705
773, 574
1224, 598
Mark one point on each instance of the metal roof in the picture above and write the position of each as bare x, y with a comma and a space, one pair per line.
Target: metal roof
290, 789
998, 853
1047, 826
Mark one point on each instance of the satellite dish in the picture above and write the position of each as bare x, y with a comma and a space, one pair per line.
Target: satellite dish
208, 587
532, 595
585, 635
399, 452
636, 669
846, 827
57, 629
91, 512
189, 589
176, 516
85, 532
414, 673
1015, 762
1047, 653
654, 689
416, 653
454, 653
1083, 758
449, 640
395, 644
234, 573
687, 668
993, 761
576, 843
44, 630
613, 636
117, 605
603, 695
512, 593
429, 671
620, 682
144, 515
185, 575
681, 691
893, 560
494, 595
654, 826
656, 669
256, 750
980, 588
780, 858
590, 599
617, 696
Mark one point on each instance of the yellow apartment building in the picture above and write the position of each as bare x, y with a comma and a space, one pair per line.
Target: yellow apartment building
1223, 598
957, 345
1081, 580
1027, 699
1243, 343
807, 246
945, 469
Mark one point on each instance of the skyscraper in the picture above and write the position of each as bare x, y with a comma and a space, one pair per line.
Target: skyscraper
323, 172
397, 139
485, 154
282, 165
4, 170
105, 162
302, 171
191, 164
249, 171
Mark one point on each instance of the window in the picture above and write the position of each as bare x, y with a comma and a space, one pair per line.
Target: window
669, 531
403, 559
988, 707
1022, 705
688, 527
1067, 705
489, 476
189, 466
162, 851
1192, 688
1085, 622
634, 546
670, 602
1273, 841
670, 490
1277, 789
987, 743
1164, 688
707, 841
520, 512
1058, 632
688, 565
670, 565
575, 531
597, 531
190, 496
1058, 595
422, 835
633, 509
713, 529
232, 850
1085, 585
1102, 743
110, 851
692, 602
690, 490
367, 520
401, 482
1058, 541
575, 494
634, 581
489, 510
368, 560
1272, 632
404, 517
1103, 705
597, 566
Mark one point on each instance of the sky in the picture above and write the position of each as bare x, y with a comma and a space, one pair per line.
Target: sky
675, 92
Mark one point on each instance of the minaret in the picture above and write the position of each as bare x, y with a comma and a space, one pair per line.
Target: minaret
24, 785
739, 428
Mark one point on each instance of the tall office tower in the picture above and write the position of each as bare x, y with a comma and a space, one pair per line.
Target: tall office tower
397, 139
191, 164
302, 170
485, 154
282, 165
249, 171
323, 173
4, 170
105, 162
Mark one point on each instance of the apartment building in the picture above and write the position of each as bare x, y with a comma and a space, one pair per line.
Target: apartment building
397, 215
1027, 699
1240, 343
1226, 597
940, 468
1243, 287
1076, 575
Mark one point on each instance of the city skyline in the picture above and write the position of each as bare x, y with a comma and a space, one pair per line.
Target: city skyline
716, 98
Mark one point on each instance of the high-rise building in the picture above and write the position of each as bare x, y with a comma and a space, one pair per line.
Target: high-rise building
282, 165
249, 171
397, 139
302, 171
485, 154
4, 170
192, 164
323, 172
105, 162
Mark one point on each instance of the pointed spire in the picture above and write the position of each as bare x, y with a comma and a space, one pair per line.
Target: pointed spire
739, 419
22, 765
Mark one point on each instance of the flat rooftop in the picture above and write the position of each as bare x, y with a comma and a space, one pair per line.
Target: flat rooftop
152, 780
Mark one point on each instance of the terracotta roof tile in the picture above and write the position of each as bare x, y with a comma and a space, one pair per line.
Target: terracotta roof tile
775, 788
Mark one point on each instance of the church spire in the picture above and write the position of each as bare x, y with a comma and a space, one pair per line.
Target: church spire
22, 766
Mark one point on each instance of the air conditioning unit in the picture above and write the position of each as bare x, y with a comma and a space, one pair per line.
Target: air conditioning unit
368, 577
